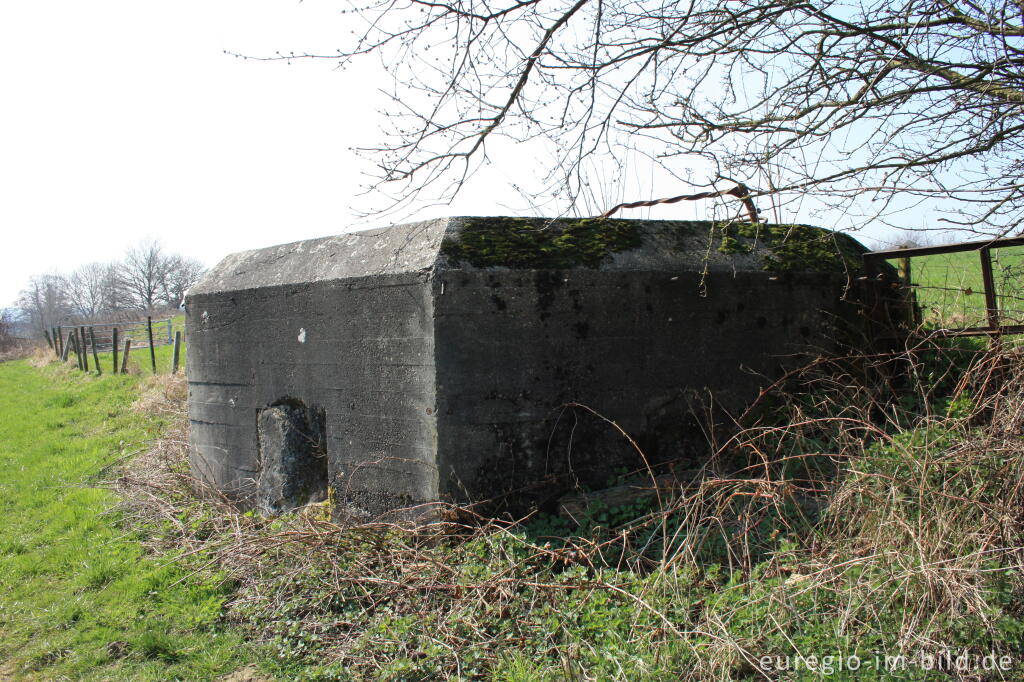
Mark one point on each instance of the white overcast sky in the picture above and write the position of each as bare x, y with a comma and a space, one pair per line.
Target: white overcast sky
122, 120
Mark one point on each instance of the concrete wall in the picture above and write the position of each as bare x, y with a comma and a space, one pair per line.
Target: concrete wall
361, 349
513, 347
445, 375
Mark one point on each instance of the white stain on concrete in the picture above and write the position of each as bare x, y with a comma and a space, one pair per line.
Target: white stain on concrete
302, 335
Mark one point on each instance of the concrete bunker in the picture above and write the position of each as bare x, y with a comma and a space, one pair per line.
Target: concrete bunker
483, 360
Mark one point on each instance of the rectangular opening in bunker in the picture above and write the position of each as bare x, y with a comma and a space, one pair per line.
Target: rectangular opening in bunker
292, 456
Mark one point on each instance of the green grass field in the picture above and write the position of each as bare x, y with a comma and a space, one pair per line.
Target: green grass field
950, 290
79, 598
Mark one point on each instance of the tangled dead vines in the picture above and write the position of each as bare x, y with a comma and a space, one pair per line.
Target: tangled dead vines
834, 513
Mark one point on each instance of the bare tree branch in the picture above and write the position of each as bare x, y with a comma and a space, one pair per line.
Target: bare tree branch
837, 98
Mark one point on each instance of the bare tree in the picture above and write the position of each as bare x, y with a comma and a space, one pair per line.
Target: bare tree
6, 330
115, 298
86, 290
147, 278
917, 99
182, 274
142, 274
44, 302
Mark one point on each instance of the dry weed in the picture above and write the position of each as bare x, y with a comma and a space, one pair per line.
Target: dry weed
42, 356
20, 349
836, 515
163, 394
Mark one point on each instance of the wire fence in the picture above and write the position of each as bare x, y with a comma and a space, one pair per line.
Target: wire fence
81, 342
966, 289
137, 331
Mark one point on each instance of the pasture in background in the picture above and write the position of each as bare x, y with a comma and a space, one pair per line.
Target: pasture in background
950, 288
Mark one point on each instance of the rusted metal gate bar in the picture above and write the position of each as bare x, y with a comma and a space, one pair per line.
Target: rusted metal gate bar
874, 259
945, 248
991, 304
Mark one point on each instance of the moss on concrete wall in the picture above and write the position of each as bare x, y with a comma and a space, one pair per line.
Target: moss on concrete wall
539, 244
794, 248
536, 243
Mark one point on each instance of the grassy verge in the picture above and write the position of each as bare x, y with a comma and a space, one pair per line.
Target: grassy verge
79, 595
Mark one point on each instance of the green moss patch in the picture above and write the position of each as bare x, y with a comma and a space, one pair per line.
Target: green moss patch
794, 248
539, 244
535, 243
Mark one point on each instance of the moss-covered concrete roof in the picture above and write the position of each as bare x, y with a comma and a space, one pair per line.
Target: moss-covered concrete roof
539, 243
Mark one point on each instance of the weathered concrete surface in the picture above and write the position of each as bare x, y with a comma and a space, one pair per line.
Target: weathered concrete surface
292, 457
642, 349
446, 376
360, 349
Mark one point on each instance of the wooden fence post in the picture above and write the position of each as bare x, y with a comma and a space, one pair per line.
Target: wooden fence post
908, 283
177, 352
64, 348
113, 348
46, 335
95, 355
152, 350
60, 340
991, 302
124, 360
84, 349
78, 349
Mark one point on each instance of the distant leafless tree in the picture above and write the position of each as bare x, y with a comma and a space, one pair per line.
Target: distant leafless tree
182, 274
147, 278
45, 302
910, 100
115, 298
86, 290
6, 326
143, 273
150, 277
